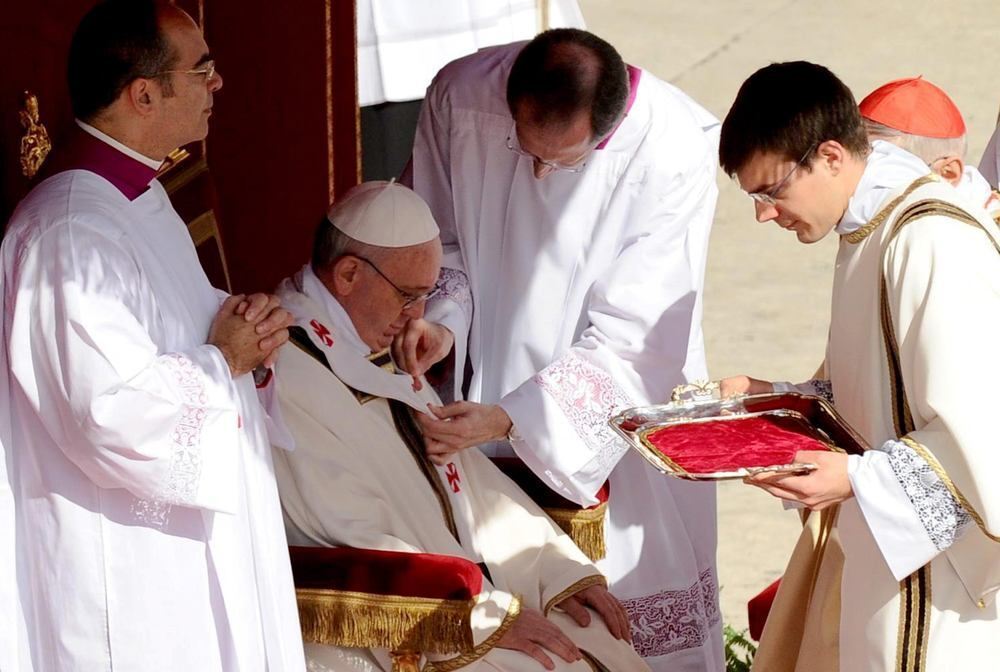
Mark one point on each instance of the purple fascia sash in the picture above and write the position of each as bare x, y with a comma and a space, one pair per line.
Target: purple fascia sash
634, 74
85, 152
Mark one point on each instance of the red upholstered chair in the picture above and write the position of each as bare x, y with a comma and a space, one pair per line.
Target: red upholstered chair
408, 603
584, 525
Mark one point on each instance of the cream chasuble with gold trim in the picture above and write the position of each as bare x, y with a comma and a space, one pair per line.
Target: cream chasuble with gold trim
353, 481
919, 578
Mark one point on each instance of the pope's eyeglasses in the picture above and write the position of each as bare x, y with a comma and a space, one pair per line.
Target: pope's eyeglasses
409, 300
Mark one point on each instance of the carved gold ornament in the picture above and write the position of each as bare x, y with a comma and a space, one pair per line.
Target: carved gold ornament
35, 143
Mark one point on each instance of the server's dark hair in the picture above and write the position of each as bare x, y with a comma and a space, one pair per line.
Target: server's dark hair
786, 109
117, 42
565, 71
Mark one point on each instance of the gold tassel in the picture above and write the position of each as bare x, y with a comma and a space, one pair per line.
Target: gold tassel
585, 527
364, 620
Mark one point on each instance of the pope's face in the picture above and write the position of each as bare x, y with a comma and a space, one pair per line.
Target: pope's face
807, 198
378, 310
184, 114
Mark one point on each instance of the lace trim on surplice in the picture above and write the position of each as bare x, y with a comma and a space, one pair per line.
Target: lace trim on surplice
588, 396
185, 446
939, 512
674, 620
454, 285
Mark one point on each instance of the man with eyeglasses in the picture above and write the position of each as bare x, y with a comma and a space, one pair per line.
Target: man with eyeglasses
916, 310
359, 475
148, 531
575, 196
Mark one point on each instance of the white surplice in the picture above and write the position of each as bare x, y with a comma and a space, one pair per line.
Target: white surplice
352, 480
574, 297
402, 44
943, 293
149, 529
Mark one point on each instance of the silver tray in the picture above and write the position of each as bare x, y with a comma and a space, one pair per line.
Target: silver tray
635, 424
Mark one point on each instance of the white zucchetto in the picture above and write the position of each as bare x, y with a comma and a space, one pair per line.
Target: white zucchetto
384, 214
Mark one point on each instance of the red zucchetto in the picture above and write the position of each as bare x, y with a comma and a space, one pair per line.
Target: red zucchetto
915, 106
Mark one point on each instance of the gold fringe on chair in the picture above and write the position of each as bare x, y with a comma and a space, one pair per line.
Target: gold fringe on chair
365, 620
585, 527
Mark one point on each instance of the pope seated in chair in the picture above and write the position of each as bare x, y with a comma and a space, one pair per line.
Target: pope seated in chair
359, 475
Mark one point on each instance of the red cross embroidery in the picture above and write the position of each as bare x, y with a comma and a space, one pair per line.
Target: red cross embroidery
453, 478
323, 333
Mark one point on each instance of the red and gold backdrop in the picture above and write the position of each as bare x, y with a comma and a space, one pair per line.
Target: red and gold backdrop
284, 138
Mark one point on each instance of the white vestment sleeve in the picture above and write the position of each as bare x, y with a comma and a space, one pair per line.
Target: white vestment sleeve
909, 511
431, 178
643, 316
162, 425
943, 289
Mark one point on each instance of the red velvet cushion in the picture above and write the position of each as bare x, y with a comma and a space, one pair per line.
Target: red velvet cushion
536, 489
817, 413
727, 445
759, 607
363, 570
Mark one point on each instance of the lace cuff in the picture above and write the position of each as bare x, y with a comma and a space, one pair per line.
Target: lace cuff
816, 387
454, 285
939, 512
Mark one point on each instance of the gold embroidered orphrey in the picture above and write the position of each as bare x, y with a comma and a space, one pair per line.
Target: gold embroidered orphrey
35, 143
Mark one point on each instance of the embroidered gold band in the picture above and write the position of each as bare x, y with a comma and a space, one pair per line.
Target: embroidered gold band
352, 619
856, 237
914, 621
485, 647
585, 527
582, 584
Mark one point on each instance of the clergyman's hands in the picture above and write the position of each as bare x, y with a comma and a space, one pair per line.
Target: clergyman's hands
605, 604
734, 385
460, 425
249, 330
826, 486
534, 634
421, 345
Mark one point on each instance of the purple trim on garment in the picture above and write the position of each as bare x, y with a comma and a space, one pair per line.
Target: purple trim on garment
85, 152
634, 74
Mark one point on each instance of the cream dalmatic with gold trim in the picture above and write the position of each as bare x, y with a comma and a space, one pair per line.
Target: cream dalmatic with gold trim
920, 572
352, 480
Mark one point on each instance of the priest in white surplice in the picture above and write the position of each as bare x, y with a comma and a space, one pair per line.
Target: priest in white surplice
148, 529
916, 310
575, 196
359, 475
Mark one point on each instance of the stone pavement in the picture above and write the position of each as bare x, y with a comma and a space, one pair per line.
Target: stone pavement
767, 296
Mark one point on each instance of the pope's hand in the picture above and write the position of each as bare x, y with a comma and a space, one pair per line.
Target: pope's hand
534, 634
826, 486
734, 385
460, 425
605, 604
421, 345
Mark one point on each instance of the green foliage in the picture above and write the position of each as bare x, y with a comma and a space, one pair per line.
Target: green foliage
739, 650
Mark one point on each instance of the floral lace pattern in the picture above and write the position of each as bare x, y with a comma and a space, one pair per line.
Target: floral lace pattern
185, 439
454, 285
674, 620
588, 396
941, 514
820, 388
